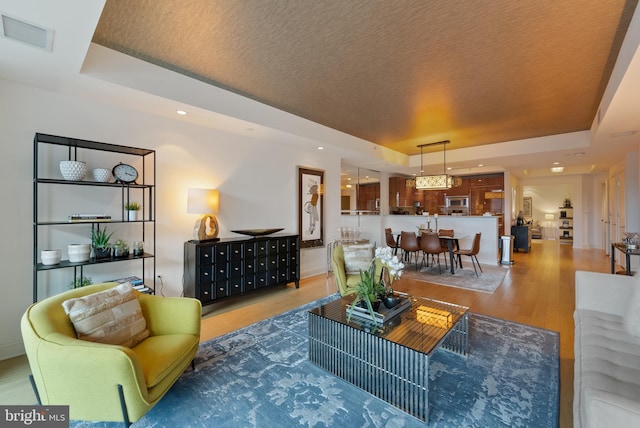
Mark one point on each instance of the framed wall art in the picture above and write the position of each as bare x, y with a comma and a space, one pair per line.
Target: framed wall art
310, 207
527, 207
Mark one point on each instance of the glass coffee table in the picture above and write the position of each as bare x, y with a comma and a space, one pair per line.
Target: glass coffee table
389, 360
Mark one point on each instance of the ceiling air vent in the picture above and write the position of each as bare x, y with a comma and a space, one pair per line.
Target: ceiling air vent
22, 31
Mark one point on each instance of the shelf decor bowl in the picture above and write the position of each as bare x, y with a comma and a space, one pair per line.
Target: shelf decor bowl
79, 253
103, 175
258, 232
50, 257
73, 170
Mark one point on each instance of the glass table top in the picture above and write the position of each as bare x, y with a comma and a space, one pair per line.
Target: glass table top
421, 327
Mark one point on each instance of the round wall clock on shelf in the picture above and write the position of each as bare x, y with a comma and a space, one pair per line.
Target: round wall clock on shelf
124, 173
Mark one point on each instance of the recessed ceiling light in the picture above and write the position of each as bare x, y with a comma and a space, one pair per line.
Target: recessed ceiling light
181, 112
320, 148
557, 169
556, 163
480, 164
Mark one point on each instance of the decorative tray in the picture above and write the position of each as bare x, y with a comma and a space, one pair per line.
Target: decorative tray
258, 232
383, 314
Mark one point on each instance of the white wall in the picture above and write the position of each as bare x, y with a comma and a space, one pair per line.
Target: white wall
257, 183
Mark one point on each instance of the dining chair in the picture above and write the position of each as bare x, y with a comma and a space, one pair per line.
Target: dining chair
472, 252
409, 245
430, 246
391, 241
445, 244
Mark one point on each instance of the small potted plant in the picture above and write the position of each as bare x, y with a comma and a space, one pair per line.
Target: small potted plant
132, 210
100, 242
368, 292
120, 249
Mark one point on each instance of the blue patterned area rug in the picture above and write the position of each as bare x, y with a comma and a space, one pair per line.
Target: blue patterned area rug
260, 376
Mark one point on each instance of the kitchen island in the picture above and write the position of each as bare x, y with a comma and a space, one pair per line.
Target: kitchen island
466, 226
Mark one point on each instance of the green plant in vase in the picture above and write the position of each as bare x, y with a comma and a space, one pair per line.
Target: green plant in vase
100, 242
368, 291
121, 249
132, 210
80, 282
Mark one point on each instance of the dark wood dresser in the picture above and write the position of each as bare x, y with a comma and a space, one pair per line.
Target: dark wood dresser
214, 270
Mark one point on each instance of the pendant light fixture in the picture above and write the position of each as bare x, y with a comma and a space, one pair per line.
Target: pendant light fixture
434, 182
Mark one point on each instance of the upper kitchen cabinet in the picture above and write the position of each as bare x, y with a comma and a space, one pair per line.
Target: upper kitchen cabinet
484, 194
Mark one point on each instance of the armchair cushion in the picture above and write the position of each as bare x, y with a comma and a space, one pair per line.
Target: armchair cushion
112, 316
357, 258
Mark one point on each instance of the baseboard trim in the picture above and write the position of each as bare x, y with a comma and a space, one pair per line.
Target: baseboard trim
10, 350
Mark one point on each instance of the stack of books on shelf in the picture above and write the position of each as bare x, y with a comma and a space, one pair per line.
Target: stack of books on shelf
135, 282
88, 218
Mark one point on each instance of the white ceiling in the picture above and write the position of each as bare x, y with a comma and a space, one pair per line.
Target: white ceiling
79, 67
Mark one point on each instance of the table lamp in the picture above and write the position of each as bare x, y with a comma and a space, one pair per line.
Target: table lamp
205, 203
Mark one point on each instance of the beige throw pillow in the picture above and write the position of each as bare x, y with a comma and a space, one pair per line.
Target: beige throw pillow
357, 257
112, 316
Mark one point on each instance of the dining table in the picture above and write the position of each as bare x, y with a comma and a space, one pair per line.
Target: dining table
452, 243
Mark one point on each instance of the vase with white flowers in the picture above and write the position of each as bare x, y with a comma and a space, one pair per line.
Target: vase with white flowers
373, 287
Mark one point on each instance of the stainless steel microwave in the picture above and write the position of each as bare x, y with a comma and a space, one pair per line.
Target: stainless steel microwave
457, 202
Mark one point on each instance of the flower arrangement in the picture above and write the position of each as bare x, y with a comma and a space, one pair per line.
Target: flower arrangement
372, 287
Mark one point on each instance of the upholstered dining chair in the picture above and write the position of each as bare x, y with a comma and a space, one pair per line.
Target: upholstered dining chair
430, 246
472, 252
72, 362
445, 244
391, 241
409, 246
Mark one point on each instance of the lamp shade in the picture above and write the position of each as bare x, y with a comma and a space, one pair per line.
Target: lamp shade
549, 216
202, 201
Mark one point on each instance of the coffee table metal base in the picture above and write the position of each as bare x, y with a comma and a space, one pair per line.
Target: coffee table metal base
392, 372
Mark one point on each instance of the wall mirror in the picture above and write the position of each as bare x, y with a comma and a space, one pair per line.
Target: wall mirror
359, 190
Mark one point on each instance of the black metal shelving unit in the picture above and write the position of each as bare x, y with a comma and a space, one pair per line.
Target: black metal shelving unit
147, 185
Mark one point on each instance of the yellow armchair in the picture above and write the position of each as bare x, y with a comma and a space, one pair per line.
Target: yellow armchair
101, 382
346, 283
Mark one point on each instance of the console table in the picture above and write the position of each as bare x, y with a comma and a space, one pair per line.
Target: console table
522, 238
627, 253
388, 360
217, 269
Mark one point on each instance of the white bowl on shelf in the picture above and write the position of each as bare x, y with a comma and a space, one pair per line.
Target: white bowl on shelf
73, 170
79, 253
50, 257
103, 175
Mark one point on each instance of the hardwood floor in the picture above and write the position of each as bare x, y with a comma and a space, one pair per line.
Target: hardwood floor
538, 290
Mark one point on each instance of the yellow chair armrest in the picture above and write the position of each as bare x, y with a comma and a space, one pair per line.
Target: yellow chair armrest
171, 315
